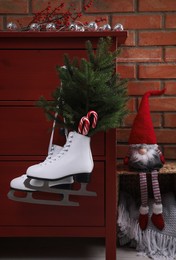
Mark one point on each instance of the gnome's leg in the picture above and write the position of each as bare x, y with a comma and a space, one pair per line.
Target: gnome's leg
155, 186
144, 209
157, 217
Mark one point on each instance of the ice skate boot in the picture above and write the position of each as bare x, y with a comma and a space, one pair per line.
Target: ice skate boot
74, 160
17, 184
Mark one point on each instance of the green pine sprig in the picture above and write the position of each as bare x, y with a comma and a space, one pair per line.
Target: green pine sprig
89, 84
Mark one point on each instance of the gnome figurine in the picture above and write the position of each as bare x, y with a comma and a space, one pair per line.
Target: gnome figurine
145, 157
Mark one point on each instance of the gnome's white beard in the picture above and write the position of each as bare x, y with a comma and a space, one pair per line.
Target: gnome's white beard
149, 156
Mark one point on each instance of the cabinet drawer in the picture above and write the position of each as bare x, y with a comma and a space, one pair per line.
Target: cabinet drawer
29, 74
89, 213
27, 133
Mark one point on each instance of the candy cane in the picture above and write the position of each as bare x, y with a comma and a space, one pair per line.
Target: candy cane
84, 125
95, 117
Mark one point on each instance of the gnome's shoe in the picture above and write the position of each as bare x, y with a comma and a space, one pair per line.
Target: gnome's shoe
157, 217
143, 217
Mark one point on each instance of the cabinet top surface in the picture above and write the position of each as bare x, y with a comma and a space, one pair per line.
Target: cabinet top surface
119, 34
56, 40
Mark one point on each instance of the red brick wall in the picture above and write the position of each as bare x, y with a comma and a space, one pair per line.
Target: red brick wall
148, 57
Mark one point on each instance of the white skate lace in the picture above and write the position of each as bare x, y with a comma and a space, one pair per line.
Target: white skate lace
49, 157
54, 124
50, 153
65, 148
62, 152
51, 146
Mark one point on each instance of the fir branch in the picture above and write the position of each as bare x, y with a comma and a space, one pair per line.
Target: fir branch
90, 84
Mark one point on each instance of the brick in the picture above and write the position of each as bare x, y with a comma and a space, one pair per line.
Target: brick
131, 38
156, 5
90, 18
38, 5
170, 120
156, 119
159, 71
131, 104
170, 54
138, 21
170, 152
162, 135
170, 87
170, 21
167, 136
14, 7
104, 6
140, 87
157, 38
141, 55
126, 71
162, 103
128, 121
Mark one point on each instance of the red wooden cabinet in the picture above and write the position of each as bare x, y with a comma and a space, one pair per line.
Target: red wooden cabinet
27, 71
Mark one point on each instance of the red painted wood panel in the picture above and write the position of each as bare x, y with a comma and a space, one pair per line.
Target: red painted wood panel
25, 131
29, 74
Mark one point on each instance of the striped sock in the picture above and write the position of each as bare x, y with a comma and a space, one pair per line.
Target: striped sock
155, 186
143, 189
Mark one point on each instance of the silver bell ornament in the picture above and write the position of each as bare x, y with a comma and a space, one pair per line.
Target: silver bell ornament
50, 27
73, 27
92, 26
34, 27
101, 29
107, 27
12, 26
80, 28
118, 27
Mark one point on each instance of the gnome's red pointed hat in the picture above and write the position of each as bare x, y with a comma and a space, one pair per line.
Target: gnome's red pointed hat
142, 130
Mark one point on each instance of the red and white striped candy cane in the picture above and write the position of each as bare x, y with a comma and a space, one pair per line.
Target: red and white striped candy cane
95, 117
84, 125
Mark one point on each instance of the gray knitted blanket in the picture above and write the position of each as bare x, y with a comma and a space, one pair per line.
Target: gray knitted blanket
152, 242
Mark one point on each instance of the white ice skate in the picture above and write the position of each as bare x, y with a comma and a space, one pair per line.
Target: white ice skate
74, 160
17, 184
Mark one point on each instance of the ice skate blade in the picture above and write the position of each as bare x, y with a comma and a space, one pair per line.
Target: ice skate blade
46, 188
29, 199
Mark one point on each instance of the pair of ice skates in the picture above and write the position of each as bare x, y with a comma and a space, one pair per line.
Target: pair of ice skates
62, 167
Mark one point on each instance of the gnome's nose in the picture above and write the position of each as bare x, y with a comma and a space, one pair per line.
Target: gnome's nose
142, 150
